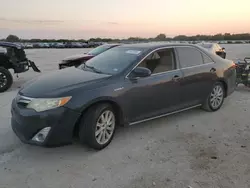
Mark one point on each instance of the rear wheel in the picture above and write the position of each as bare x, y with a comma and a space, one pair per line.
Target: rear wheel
6, 79
215, 99
98, 126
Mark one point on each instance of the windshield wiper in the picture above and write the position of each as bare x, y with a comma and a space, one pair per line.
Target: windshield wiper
93, 68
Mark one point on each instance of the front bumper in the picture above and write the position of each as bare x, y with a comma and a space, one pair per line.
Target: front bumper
26, 123
21, 67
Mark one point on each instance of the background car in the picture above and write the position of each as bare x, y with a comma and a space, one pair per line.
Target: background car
13, 57
214, 48
76, 60
125, 85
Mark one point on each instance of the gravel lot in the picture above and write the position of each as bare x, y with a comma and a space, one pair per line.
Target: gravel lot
193, 148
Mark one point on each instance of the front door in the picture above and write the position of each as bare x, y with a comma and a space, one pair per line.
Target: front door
157, 94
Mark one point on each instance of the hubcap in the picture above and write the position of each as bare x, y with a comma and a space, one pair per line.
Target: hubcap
105, 127
216, 97
3, 80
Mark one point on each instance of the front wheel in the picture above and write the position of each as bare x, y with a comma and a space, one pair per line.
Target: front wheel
215, 99
98, 126
6, 79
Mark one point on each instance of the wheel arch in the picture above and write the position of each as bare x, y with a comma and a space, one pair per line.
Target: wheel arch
9, 78
221, 80
5, 64
105, 100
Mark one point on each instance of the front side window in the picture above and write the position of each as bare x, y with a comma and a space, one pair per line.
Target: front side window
113, 61
160, 61
189, 57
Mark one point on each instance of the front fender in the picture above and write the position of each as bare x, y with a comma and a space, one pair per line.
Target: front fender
100, 99
84, 99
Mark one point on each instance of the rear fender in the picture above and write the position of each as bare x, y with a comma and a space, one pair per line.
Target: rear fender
225, 84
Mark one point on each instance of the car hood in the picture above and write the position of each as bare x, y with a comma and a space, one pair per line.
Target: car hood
59, 82
78, 57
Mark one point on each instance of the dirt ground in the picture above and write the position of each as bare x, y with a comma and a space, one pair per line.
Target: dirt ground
195, 148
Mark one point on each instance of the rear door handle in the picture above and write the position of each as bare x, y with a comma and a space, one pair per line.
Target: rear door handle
176, 78
212, 70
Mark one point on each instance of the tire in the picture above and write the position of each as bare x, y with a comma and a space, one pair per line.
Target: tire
89, 126
208, 104
5, 75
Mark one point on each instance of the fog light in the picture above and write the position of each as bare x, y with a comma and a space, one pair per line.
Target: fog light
41, 135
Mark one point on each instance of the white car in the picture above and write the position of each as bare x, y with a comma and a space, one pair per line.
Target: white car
214, 48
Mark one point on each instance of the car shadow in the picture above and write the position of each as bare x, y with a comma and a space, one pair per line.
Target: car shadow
123, 136
242, 88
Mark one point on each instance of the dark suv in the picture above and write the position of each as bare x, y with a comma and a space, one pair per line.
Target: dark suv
125, 85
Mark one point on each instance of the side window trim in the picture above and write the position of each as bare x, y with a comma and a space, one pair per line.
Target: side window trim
150, 53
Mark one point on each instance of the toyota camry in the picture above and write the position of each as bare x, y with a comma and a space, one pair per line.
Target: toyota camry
125, 85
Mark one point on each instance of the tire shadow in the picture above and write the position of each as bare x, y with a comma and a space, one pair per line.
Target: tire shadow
242, 88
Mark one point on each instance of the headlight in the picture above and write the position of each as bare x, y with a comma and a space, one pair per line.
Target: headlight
43, 104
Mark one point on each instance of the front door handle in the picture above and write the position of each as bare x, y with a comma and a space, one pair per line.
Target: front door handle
176, 78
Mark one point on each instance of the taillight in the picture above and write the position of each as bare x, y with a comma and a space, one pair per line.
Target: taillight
234, 65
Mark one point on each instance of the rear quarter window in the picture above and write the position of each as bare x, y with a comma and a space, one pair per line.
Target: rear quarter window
206, 59
189, 57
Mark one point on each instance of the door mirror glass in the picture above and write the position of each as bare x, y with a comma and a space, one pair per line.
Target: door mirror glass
140, 72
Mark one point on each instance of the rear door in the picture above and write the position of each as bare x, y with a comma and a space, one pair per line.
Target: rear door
198, 75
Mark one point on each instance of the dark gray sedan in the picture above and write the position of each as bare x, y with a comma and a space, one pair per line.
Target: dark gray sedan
125, 85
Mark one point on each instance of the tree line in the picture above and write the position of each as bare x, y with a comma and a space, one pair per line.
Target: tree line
160, 37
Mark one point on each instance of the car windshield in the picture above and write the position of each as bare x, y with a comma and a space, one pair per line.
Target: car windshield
113, 61
98, 50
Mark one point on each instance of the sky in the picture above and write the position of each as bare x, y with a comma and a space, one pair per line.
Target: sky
76, 19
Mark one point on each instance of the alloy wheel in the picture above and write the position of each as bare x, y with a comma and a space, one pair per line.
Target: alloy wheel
105, 127
216, 97
3, 80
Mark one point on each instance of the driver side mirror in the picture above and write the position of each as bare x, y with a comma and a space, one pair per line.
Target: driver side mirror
140, 72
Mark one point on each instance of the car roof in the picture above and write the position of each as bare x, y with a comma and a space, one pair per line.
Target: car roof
208, 45
111, 44
156, 45
10, 44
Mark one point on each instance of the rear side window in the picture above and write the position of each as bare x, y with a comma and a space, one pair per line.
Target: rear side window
189, 57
